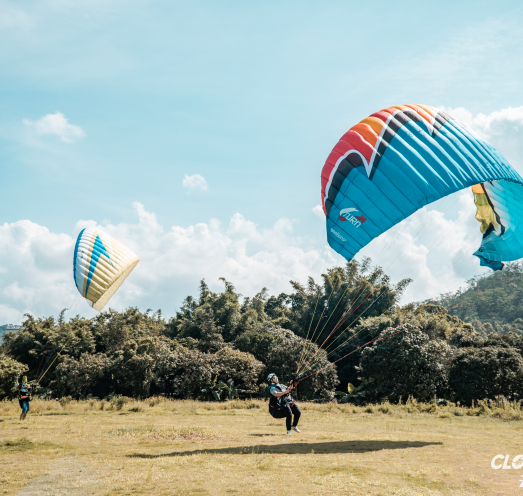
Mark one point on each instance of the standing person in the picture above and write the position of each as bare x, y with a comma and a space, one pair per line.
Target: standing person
25, 398
285, 402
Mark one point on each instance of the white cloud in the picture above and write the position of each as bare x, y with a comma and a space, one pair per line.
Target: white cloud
173, 261
195, 182
502, 128
9, 315
55, 124
496, 124
318, 212
434, 247
35, 271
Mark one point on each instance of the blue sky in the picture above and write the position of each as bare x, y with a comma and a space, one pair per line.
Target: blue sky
250, 96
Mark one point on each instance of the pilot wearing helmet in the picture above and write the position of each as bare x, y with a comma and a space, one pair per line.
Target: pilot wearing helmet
283, 403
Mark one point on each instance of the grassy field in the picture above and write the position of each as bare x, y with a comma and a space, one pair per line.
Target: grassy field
159, 447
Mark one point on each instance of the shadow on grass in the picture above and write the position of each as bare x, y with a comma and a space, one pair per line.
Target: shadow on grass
300, 448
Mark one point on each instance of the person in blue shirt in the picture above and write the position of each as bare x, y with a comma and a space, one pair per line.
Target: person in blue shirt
286, 402
25, 398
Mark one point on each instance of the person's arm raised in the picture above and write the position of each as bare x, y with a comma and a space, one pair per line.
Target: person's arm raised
282, 393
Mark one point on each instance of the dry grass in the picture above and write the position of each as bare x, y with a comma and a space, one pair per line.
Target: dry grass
171, 434
163, 447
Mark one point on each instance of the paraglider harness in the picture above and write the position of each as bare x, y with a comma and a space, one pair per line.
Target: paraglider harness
25, 394
275, 409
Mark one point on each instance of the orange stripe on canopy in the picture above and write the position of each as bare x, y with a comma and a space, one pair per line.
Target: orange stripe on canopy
375, 123
367, 132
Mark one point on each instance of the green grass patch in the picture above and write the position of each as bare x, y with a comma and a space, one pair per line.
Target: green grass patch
24, 444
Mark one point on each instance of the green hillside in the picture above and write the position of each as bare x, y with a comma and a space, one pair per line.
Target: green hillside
491, 303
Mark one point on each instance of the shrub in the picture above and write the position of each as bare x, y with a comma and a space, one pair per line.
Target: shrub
479, 373
118, 402
241, 367
259, 343
405, 364
10, 373
80, 377
183, 373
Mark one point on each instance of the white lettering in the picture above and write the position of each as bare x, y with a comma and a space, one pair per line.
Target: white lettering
517, 462
493, 462
350, 218
337, 234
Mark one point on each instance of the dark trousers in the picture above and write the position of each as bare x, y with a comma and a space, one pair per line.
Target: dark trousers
289, 412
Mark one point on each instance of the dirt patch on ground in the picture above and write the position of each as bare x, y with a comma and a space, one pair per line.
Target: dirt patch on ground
68, 477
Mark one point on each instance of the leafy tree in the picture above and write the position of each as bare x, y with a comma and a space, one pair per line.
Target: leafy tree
432, 320
405, 362
259, 342
242, 368
211, 339
347, 295
194, 316
227, 311
88, 375
183, 373
10, 373
479, 373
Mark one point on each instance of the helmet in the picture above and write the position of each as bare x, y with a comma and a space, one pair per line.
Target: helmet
270, 376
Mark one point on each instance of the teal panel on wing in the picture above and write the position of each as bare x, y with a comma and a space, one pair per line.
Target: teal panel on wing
98, 250
504, 244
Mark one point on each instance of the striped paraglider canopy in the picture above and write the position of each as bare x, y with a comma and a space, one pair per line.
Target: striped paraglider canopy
400, 159
100, 265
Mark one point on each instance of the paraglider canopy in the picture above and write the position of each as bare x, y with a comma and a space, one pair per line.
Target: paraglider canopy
101, 264
402, 158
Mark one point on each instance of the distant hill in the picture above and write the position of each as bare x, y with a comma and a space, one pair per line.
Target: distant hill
491, 303
7, 328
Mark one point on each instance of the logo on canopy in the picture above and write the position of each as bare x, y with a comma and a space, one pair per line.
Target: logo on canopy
349, 215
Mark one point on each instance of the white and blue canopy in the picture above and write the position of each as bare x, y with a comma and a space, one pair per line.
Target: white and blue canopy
100, 265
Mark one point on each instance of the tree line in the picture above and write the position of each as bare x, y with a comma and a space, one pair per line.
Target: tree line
348, 333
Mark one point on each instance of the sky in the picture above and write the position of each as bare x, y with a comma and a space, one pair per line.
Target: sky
195, 133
